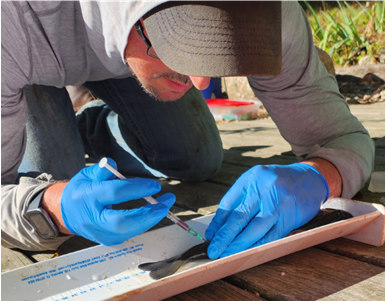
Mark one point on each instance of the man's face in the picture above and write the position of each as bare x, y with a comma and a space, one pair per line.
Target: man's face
155, 77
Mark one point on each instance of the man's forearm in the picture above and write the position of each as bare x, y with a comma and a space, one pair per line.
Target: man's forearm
51, 203
329, 172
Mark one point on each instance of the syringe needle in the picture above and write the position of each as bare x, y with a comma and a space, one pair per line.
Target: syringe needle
183, 225
194, 233
103, 163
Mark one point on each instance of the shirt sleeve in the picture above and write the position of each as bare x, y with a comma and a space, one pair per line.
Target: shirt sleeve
16, 70
15, 73
16, 231
305, 103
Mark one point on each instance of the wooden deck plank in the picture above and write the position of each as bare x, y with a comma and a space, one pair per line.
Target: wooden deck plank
230, 171
13, 259
228, 174
73, 244
183, 213
256, 138
193, 196
372, 116
181, 297
355, 250
264, 150
216, 291
380, 143
305, 275
364, 195
238, 158
334, 263
369, 289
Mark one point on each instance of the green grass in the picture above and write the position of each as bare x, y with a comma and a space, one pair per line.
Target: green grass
349, 32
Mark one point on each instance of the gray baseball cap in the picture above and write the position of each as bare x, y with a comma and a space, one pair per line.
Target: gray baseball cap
217, 38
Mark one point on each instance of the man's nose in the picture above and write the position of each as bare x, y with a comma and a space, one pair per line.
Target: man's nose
201, 83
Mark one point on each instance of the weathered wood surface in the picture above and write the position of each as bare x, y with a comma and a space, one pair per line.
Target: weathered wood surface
193, 196
355, 250
217, 291
13, 259
305, 275
369, 289
337, 270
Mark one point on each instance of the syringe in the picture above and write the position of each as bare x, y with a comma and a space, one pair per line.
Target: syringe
103, 163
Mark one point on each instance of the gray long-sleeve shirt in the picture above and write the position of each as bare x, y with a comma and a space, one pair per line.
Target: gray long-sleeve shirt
68, 43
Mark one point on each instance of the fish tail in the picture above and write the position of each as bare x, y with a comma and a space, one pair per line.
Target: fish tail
165, 269
149, 266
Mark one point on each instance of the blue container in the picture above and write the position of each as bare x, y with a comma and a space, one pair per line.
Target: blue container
214, 88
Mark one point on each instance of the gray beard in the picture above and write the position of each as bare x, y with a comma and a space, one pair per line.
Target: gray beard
172, 76
152, 92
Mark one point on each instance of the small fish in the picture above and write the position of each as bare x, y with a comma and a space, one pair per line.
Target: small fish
167, 267
324, 217
163, 268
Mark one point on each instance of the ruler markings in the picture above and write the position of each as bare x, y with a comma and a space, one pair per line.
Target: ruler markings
81, 291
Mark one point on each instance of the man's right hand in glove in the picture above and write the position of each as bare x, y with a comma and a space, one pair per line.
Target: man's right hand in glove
83, 206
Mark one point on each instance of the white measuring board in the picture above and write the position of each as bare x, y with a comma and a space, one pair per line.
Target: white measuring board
96, 272
111, 273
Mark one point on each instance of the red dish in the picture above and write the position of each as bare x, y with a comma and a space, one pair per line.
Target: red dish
219, 102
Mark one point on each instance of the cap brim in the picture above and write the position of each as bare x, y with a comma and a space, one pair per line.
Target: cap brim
219, 38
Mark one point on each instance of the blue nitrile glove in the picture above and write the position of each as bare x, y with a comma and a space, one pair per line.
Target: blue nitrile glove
265, 204
86, 205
